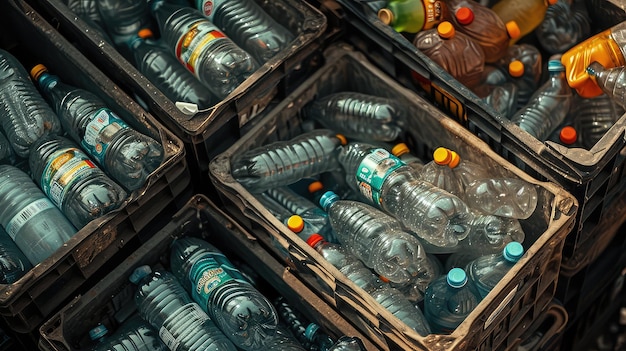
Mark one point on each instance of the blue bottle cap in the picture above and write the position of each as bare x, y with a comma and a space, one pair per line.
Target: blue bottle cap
555, 66
456, 277
513, 251
139, 273
98, 331
327, 199
310, 331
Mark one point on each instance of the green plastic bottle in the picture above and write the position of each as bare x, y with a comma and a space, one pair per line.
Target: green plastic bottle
412, 16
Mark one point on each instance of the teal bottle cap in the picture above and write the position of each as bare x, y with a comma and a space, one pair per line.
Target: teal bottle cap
327, 199
513, 251
555, 66
139, 273
310, 331
98, 331
456, 277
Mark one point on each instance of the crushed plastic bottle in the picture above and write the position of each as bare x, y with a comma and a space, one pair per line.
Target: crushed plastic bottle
13, 263
528, 14
506, 197
487, 271
612, 81
135, 334
467, 171
593, 117
412, 16
565, 24
439, 172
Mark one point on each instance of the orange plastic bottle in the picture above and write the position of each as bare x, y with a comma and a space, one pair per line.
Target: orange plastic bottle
528, 14
412, 16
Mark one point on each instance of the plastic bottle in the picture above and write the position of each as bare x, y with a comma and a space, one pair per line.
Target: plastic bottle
183, 326
29, 217
448, 300
348, 343
567, 135
483, 26
565, 24
612, 81
467, 171
285, 162
376, 238
164, 70
316, 190
607, 48
248, 25
124, 153
414, 289
25, 114
434, 215
529, 55
486, 271
402, 151
309, 334
548, 106
593, 117
503, 98
201, 47
123, 19
237, 308
282, 340
357, 115
86, 9
506, 197
6, 151
439, 172
455, 52
412, 16
390, 298
134, 334
528, 14
13, 263
72, 181
524, 82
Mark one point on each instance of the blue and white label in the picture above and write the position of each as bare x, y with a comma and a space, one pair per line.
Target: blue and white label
373, 171
27, 213
100, 132
206, 275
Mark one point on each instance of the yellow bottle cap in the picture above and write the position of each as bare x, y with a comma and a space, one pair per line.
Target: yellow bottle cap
516, 68
455, 159
513, 29
464, 15
315, 186
37, 71
342, 139
400, 149
442, 156
385, 15
145, 33
568, 135
295, 223
445, 30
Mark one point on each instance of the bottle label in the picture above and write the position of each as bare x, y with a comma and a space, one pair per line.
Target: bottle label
207, 6
100, 131
168, 339
191, 44
191, 310
435, 10
22, 217
207, 274
65, 168
373, 171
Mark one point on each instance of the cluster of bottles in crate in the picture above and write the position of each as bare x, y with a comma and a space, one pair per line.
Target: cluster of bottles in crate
66, 158
384, 217
203, 50
573, 100
204, 302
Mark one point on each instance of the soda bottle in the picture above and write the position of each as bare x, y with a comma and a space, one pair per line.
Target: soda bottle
402, 151
124, 153
201, 47
135, 334
37, 226
13, 262
439, 172
486, 271
123, 19
564, 25
249, 26
506, 197
593, 117
612, 81
455, 52
528, 14
412, 16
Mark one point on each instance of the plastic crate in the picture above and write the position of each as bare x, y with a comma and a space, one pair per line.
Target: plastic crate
26, 303
524, 293
545, 333
593, 176
208, 132
111, 299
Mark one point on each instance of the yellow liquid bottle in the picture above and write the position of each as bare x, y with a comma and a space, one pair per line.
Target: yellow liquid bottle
528, 14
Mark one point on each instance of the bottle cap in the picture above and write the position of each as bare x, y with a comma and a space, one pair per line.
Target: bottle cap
384, 279
399, 149
385, 15
314, 239
139, 273
445, 30
310, 331
513, 251
295, 223
513, 29
315, 186
555, 66
464, 15
552, 2
456, 277
516, 68
327, 199
98, 331
454, 160
145, 33
442, 156
37, 71
568, 135
342, 139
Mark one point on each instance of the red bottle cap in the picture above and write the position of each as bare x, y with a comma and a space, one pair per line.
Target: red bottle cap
568, 135
464, 15
314, 239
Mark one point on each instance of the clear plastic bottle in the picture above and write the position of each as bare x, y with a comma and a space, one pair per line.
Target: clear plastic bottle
248, 25
565, 24
164, 70
467, 171
412, 16
124, 153
612, 81
37, 226
503, 98
593, 117
13, 263
304, 229
529, 55
123, 19
183, 326
86, 9
548, 106
439, 218
357, 115
449, 300
135, 334
524, 82
486, 271
72, 181
402, 151
282, 340
528, 14
390, 298
309, 334
6, 151
348, 343
237, 308
201, 47
25, 114
376, 238
285, 162
414, 289
439, 172
455, 52
506, 197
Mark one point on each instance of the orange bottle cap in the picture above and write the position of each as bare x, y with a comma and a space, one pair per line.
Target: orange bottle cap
342, 139
385, 15
145, 33
568, 135
295, 223
384, 279
464, 15
37, 71
516, 68
455, 159
315, 186
442, 156
513, 29
400, 149
314, 239
445, 30
552, 2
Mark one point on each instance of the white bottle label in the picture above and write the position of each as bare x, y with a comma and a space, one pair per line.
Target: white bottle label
190, 45
22, 217
64, 168
168, 339
373, 171
100, 132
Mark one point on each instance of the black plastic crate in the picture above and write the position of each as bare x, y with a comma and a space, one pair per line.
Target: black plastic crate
545, 333
25, 304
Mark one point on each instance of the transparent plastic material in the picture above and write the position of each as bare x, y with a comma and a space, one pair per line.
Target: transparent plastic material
135, 334
439, 172
612, 81
487, 271
310, 335
85, 9
523, 81
6, 151
72, 181
283, 341
245, 316
506, 197
13, 263
124, 153
200, 46
412, 16
357, 115
528, 14
348, 343
593, 117
529, 55
402, 151
25, 114
123, 18
248, 25
565, 24
37, 226
503, 98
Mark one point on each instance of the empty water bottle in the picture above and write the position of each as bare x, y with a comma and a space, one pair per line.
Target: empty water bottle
358, 115
13, 263
548, 106
37, 226
612, 81
439, 172
135, 334
565, 24
376, 238
163, 302
72, 181
246, 316
528, 14
248, 25
201, 47
412, 16
25, 114
285, 162
124, 153
467, 171
6, 151
402, 151
529, 55
86, 9
524, 82
122, 19
309, 334
506, 197
348, 343
433, 214
449, 300
414, 289
487, 271
503, 98
163, 70
593, 117
282, 340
